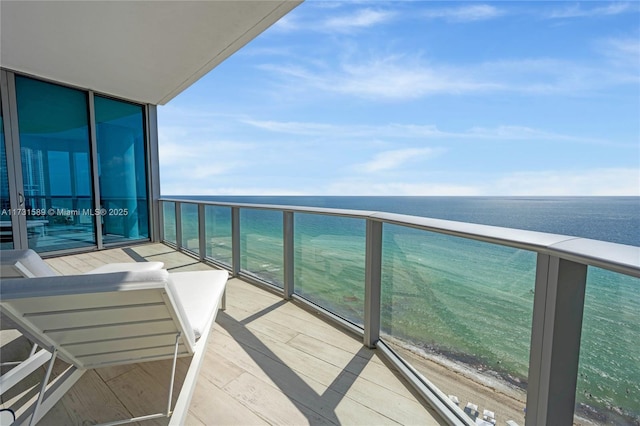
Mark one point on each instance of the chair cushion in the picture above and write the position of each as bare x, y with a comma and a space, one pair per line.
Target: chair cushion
24, 264
127, 267
199, 294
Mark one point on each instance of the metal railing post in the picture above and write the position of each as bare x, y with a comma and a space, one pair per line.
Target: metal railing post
373, 280
288, 255
202, 242
555, 340
235, 241
178, 207
161, 219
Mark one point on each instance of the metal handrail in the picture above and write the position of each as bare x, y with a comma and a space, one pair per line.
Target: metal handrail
620, 258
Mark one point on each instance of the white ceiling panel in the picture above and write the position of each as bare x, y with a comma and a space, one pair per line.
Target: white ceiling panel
147, 51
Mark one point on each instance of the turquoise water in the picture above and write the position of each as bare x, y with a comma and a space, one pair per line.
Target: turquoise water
465, 300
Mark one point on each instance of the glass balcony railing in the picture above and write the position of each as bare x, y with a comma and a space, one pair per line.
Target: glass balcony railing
190, 238
218, 234
261, 247
609, 372
449, 299
536, 328
329, 263
169, 222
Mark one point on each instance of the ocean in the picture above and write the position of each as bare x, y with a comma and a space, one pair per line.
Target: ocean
452, 298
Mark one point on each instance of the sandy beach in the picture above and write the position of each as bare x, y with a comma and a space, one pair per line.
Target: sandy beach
506, 401
487, 391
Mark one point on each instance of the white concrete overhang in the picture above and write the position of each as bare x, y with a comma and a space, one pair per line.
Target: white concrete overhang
146, 51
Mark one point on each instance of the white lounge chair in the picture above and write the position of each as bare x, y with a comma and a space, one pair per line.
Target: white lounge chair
99, 320
28, 264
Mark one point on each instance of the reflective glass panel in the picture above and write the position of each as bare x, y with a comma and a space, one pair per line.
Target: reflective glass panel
122, 170
169, 221
54, 149
460, 312
608, 390
261, 251
329, 262
218, 233
189, 217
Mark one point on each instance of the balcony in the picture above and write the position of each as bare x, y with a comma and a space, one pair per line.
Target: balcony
343, 316
268, 362
501, 319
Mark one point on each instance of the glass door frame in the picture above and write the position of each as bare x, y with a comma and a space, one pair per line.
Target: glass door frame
12, 151
14, 165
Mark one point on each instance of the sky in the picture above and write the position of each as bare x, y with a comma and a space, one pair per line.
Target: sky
417, 98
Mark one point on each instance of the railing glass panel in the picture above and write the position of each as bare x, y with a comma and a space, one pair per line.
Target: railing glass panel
169, 224
608, 390
189, 225
329, 263
460, 311
218, 234
261, 245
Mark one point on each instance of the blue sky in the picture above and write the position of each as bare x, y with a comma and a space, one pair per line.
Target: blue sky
417, 98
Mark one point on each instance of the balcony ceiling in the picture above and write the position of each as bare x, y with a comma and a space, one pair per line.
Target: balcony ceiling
147, 51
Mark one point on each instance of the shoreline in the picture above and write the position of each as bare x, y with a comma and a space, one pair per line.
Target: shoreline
470, 380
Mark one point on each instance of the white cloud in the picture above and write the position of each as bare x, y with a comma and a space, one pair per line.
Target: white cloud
628, 47
400, 77
363, 18
419, 131
387, 78
336, 22
366, 187
479, 12
389, 160
182, 188
286, 24
394, 79
595, 182
624, 54
577, 11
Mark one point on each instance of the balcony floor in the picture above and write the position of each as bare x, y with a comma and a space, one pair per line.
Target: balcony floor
268, 362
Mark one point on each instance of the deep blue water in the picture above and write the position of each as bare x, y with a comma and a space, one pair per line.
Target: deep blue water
614, 219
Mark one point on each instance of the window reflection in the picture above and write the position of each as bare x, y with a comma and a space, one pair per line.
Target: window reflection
54, 149
122, 170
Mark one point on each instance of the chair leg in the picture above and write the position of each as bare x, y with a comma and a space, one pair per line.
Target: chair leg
13, 363
223, 303
22, 370
173, 374
159, 415
43, 388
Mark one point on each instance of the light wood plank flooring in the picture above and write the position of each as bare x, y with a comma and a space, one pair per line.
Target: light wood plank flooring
268, 362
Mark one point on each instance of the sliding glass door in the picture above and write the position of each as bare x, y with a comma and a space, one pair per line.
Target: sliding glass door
77, 168
53, 125
122, 170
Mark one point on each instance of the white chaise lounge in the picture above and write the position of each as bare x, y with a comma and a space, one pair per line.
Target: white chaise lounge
28, 264
99, 320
